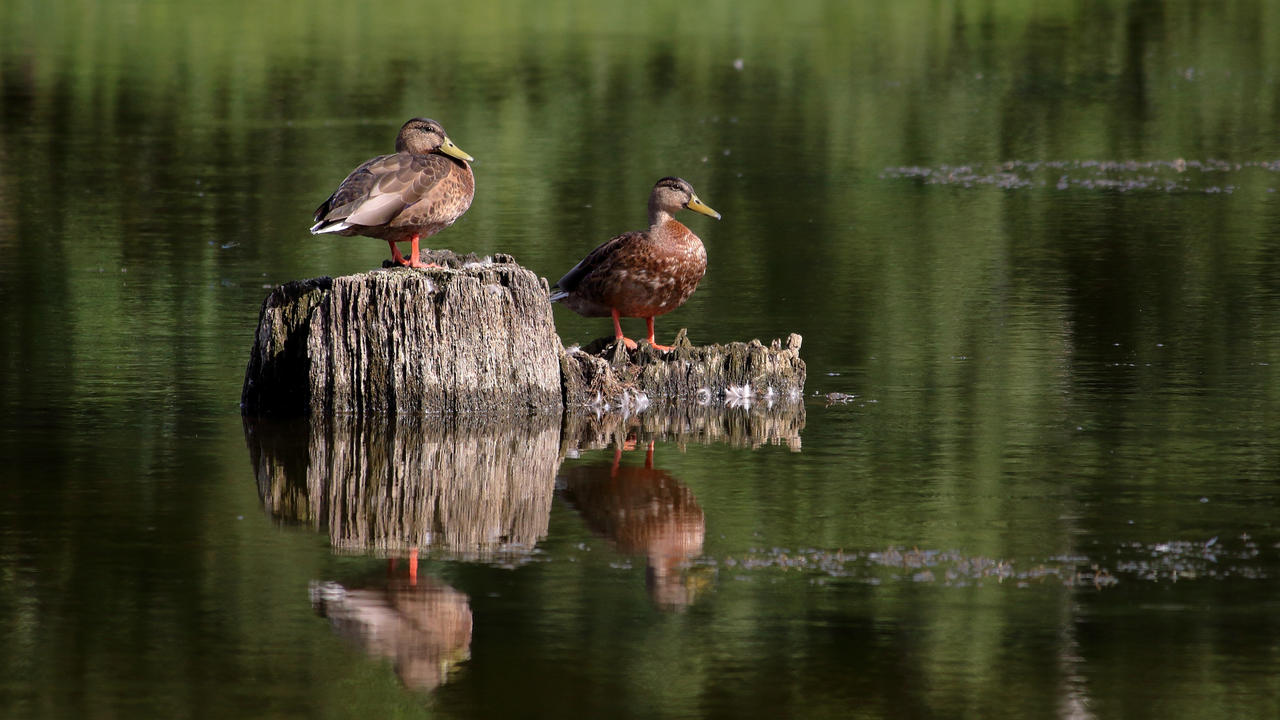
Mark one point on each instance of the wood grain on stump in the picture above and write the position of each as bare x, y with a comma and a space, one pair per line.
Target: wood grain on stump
477, 336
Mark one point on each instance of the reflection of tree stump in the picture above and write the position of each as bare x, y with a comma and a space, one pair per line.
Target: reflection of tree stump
751, 426
475, 336
387, 485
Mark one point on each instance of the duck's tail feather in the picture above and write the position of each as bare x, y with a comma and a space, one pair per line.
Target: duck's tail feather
323, 227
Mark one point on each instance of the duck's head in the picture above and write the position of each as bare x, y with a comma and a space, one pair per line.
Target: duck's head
421, 136
672, 193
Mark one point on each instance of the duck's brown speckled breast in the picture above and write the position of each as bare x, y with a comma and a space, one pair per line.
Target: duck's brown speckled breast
440, 207
659, 273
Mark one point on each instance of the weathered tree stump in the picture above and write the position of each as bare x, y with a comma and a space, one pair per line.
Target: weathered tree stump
476, 335
733, 374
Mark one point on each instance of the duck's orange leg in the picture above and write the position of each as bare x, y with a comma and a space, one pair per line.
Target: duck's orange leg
413, 260
413, 255
617, 331
396, 257
649, 324
413, 566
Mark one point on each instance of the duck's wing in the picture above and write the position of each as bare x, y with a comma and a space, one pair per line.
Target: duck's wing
379, 190
601, 261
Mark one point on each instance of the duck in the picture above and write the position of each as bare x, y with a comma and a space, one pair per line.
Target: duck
643, 273
414, 193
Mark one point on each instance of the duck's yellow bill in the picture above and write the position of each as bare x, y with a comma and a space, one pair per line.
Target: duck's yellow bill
448, 148
698, 206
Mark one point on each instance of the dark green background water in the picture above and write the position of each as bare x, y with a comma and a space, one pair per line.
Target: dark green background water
1062, 366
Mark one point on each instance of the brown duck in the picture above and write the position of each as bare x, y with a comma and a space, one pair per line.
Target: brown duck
415, 193
642, 274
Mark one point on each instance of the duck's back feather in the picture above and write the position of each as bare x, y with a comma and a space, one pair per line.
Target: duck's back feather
596, 260
384, 191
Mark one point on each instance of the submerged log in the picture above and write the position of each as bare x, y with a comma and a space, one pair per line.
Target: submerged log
476, 335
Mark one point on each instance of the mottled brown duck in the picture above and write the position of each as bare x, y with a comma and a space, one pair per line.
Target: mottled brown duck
642, 274
415, 193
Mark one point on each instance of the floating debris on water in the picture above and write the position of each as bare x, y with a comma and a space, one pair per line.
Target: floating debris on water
739, 396
945, 567
1181, 560
839, 398
1171, 176
1171, 561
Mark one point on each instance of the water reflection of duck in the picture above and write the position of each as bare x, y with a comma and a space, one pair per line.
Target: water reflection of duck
417, 192
422, 625
644, 511
643, 273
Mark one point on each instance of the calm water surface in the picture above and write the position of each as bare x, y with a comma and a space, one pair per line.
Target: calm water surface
1031, 251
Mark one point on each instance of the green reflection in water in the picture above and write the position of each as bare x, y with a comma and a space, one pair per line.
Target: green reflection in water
1039, 372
